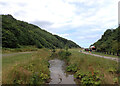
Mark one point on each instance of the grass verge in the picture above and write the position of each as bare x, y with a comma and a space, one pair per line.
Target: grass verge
31, 68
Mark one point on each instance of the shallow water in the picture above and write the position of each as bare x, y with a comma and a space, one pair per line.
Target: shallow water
58, 75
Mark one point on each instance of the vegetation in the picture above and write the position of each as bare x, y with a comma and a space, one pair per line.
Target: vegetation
89, 70
33, 68
89, 78
28, 68
109, 42
21, 49
17, 33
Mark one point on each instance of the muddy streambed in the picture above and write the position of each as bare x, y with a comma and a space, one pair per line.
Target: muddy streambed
57, 73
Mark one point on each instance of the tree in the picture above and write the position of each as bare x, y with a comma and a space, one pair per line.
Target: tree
9, 40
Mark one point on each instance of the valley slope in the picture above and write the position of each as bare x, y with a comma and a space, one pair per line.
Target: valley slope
16, 33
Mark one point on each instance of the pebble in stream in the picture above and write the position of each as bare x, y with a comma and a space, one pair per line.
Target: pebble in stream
58, 74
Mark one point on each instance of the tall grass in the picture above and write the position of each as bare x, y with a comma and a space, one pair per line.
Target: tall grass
26, 68
88, 63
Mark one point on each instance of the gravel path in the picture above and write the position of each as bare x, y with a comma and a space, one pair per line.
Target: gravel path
106, 57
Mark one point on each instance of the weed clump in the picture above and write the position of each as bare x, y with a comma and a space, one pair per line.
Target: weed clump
64, 55
71, 68
89, 78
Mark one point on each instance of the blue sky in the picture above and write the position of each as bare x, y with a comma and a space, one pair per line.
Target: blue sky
82, 21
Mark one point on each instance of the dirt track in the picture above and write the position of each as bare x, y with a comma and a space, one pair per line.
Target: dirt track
106, 57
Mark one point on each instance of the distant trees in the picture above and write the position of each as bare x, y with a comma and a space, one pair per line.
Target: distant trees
109, 42
17, 33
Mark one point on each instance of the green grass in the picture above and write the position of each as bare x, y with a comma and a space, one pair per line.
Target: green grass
15, 59
30, 68
92, 69
21, 49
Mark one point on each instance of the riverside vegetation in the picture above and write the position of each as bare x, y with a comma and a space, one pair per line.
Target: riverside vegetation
89, 70
33, 68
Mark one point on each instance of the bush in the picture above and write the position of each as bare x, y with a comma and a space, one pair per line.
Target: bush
64, 54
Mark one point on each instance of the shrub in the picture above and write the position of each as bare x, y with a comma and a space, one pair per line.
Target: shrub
64, 54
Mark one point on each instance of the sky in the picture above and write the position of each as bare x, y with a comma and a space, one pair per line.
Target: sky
82, 21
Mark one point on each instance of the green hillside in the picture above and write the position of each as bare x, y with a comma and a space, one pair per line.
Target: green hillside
109, 42
16, 33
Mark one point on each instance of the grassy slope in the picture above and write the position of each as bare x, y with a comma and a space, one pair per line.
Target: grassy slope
26, 68
90, 63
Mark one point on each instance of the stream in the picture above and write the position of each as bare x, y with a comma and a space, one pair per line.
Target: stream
57, 73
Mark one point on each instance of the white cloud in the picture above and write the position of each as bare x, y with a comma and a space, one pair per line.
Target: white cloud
95, 29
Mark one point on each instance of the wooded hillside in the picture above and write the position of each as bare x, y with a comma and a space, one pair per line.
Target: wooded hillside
16, 33
109, 42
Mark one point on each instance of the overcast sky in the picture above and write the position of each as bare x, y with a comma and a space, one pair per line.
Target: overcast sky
82, 21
